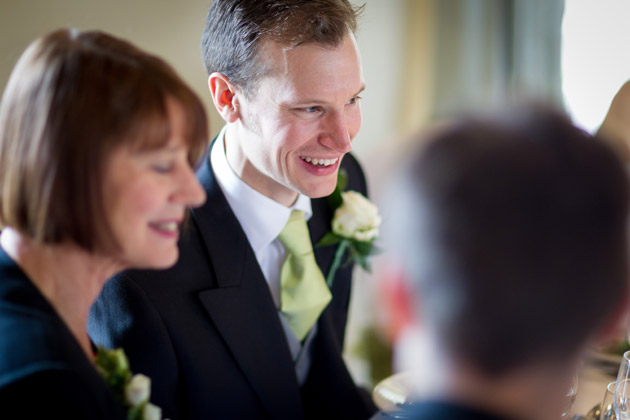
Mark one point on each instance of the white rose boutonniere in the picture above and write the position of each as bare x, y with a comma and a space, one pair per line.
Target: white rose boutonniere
355, 227
138, 390
132, 391
357, 218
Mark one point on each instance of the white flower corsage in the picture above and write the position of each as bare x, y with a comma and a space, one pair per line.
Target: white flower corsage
132, 391
355, 227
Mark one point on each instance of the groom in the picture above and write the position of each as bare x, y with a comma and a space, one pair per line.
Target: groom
214, 332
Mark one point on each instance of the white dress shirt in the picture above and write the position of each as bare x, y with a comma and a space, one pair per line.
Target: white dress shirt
262, 220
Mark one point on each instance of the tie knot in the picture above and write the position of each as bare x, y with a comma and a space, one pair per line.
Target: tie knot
294, 236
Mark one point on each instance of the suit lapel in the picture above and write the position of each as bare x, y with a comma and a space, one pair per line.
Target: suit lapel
241, 306
330, 388
318, 226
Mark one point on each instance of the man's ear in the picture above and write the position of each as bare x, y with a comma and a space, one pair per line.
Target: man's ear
224, 97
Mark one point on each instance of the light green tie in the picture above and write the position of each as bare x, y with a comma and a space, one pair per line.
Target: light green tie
304, 293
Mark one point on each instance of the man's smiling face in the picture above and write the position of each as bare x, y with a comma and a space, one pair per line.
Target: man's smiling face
300, 120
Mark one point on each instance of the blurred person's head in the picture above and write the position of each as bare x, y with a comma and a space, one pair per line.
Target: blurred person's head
97, 145
285, 76
512, 234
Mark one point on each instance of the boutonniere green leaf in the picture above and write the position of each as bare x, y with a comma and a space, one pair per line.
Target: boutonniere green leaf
131, 391
355, 228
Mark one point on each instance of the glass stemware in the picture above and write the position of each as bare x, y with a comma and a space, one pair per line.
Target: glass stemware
607, 411
622, 389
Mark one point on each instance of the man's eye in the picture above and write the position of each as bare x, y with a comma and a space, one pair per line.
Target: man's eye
354, 100
312, 109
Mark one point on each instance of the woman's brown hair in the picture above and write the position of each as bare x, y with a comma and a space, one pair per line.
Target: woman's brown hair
73, 98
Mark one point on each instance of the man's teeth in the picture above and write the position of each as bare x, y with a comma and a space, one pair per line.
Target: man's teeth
320, 162
169, 226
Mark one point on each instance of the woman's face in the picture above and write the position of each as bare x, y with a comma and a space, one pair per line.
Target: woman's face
146, 193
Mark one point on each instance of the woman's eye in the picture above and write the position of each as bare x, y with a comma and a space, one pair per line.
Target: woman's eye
162, 168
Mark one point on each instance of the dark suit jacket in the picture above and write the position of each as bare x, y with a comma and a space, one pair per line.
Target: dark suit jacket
43, 371
437, 411
207, 330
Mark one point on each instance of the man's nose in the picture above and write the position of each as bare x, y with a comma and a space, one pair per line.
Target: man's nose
337, 136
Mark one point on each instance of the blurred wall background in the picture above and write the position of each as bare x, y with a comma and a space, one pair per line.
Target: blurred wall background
170, 29
424, 61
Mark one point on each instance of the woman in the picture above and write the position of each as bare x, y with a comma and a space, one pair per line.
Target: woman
97, 145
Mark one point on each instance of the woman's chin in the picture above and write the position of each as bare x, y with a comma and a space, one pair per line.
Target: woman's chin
156, 261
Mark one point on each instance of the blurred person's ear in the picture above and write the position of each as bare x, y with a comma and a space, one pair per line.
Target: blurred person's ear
616, 126
617, 326
223, 94
398, 300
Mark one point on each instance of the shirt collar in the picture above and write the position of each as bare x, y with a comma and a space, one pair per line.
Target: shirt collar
261, 218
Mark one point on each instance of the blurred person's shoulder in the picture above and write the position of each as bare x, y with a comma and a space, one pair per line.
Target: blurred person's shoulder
437, 410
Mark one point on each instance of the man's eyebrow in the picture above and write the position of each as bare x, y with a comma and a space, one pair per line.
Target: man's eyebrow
360, 90
317, 101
